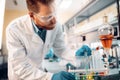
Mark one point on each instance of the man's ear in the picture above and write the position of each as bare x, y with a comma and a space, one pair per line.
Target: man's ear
31, 15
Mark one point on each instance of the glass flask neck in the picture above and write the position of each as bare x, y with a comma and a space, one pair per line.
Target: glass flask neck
105, 19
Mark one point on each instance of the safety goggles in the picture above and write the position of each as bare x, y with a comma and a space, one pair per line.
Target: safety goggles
46, 18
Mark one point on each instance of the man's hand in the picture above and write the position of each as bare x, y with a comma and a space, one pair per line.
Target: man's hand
69, 65
84, 50
63, 76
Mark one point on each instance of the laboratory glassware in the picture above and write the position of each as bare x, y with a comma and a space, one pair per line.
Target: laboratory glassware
106, 34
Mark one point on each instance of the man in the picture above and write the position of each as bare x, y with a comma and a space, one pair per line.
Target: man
30, 37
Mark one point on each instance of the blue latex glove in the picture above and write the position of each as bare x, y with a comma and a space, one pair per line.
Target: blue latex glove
63, 76
71, 66
50, 54
84, 49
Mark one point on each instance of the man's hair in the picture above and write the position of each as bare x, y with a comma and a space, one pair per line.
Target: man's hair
34, 5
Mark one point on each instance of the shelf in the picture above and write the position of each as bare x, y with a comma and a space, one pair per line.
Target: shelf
113, 23
89, 10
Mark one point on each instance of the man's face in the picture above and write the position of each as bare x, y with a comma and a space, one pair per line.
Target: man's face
45, 18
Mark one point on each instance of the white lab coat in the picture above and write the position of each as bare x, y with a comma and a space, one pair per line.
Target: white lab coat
26, 49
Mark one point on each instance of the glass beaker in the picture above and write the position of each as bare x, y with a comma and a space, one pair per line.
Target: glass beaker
83, 62
106, 34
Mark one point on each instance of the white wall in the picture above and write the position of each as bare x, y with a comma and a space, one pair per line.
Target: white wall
2, 9
8, 17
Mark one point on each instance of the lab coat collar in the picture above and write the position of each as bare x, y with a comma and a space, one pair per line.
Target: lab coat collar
30, 31
35, 27
28, 25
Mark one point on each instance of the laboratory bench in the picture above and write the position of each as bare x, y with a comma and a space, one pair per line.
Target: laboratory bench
53, 66
111, 77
